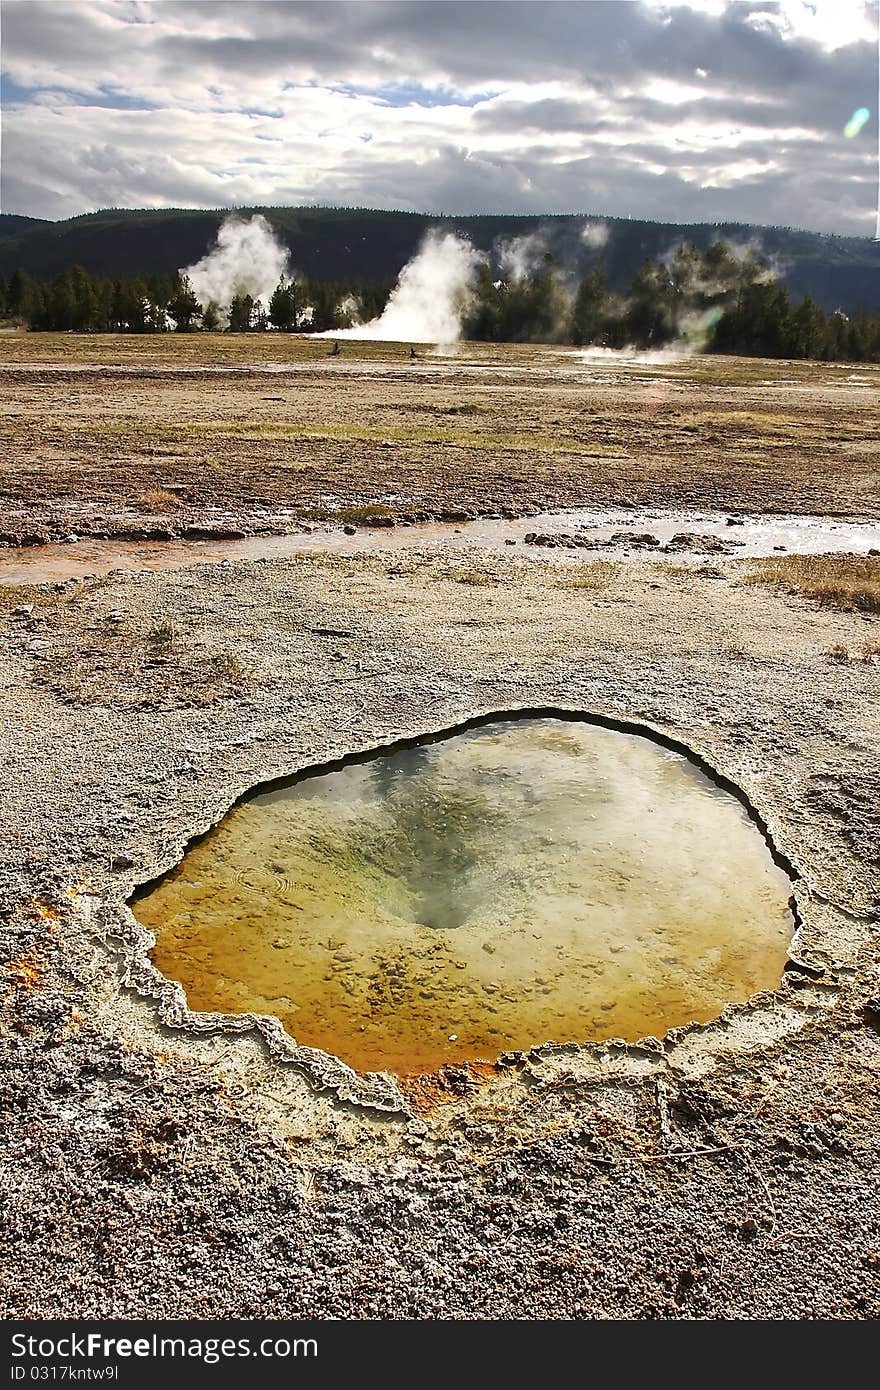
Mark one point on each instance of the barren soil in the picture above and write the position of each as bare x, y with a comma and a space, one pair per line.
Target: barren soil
240, 434
161, 1163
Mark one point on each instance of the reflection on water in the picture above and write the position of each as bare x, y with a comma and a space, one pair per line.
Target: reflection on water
527, 881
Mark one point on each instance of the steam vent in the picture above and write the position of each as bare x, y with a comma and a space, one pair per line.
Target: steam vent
525, 881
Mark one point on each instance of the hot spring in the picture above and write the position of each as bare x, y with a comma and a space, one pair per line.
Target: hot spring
524, 881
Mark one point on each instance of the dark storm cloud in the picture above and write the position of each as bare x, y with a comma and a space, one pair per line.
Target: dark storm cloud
552, 116
684, 113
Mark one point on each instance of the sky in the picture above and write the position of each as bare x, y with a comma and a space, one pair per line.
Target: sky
711, 111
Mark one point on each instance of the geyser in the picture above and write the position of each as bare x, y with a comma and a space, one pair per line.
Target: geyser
246, 259
527, 880
430, 297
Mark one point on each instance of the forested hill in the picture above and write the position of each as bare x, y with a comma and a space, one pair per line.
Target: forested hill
345, 245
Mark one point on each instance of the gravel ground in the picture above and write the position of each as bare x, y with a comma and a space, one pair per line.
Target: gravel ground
161, 1164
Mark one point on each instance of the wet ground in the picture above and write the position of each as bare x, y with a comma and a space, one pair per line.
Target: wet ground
573, 534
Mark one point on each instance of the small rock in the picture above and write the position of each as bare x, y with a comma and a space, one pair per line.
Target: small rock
121, 861
349, 530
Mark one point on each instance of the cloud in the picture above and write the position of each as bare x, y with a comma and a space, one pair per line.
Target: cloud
640, 109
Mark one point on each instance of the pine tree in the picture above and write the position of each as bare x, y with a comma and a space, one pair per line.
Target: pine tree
20, 294
588, 317
241, 313
183, 306
284, 306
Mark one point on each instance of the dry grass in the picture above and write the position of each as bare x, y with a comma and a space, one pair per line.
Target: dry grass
162, 667
838, 652
367, 515
475, 576
867, 653
531, 437
163, 635
159, 499
15, 595
595, 574
429, 435
851, 582
228, 664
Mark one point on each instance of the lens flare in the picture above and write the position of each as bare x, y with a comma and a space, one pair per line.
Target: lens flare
856, 121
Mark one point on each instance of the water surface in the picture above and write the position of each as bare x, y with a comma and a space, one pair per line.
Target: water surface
529, 880
752, 537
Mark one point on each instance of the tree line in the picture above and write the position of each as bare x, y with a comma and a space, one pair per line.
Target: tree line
80, 302
716, 300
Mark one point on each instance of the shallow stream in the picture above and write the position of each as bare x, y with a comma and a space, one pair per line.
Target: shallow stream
614, 535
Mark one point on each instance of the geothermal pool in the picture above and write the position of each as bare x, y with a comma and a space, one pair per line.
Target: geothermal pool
528, 880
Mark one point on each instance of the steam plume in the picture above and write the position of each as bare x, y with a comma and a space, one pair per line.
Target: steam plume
595, 235
430, 297
247, 259
687, 293
520, 257
773, 266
